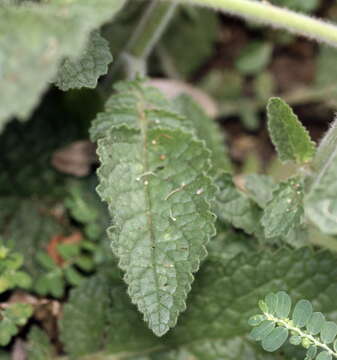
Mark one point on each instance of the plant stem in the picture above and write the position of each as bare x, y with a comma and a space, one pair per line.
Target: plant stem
268, 14
145, 36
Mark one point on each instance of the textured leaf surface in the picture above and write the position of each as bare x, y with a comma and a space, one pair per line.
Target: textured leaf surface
291, 139
104, 304
208, 130
235, 207
285, 211
83, 316
320, 203
162, 221
221, 316
34, 39
84, 72
153, 179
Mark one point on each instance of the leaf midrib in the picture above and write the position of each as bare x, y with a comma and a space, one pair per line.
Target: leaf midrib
143, 123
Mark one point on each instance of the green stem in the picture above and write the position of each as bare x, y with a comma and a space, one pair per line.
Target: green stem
268, 14
146, 34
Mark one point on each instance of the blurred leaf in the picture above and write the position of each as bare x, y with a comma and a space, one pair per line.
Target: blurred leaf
235, 207
39, 346
260, 188
11, 318
85, 71
35, 40
194, 26
254, 58
208, 130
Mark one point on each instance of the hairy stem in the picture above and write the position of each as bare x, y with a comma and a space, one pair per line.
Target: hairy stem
268, 14
145, 36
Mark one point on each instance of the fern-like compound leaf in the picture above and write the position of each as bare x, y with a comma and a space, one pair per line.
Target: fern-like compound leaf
85, 71
308, 329
153, 177
291, 139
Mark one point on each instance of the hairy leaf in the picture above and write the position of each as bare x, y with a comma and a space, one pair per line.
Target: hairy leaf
206, 129
85, 71
235, 207
159, 200
161, 215
291, 139
285, 211
132, 99
35, 38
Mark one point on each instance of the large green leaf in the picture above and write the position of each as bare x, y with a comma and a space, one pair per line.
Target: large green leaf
85, 71
291, 139
159, 200
35, 39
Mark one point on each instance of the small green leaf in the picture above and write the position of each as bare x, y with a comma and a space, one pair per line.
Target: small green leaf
275, 339
68, 251
45, 260
311, 352
262, 330
263, 306
256, 320
284, 212
291, 139
271, 301
328, 332
235, 207
254, 57
283, 305
295, 340
73, 276
324, 355
302, 313
315, 323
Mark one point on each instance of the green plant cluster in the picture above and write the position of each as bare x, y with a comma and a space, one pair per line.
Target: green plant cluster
163, 247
